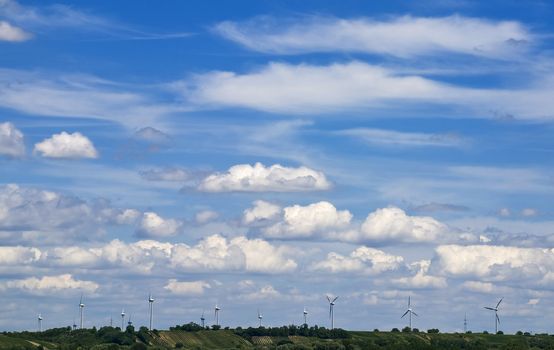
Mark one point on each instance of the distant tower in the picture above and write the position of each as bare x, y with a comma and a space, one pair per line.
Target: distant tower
39, 323
465, 323
260, 316
129, 323
151, 302
203, 320
305, 316
74, 324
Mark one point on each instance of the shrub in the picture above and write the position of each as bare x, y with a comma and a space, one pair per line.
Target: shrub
433, 330
406, 330
395, 330
499, 332
519, 333
179, 346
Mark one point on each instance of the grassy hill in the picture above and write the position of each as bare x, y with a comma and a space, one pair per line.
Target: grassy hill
230, 339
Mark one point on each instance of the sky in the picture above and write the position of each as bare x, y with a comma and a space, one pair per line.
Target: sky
260, 155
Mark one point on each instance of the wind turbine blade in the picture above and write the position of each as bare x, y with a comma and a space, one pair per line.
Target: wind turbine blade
405, 313
409, 301
329, 299
413, 313
488, 308
330, 310
499, 302
335, 299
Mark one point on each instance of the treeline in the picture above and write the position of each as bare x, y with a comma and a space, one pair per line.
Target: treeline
85, 338
285, 331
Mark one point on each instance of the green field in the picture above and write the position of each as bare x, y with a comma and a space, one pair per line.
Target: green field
229, 339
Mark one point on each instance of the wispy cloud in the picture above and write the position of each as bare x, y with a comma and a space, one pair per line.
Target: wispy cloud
403, 139
357, 86
59, 16
81, 96
401, 36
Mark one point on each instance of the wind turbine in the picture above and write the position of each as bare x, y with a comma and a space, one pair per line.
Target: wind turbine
496, 318
305, 316
217, 308
74, 325
260, 316
331, 310
122, 319
465, 323
151, 304
81, 311
203, 319
39, 322
129, 323
409, 311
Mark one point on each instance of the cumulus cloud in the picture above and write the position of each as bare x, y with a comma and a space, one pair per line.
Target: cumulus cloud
218, 253
29, 213
393, 224
305, 221
261, 212
153, 225
259, 178
11, 140
402, 36
495, 263
152, 135
19, 255
65, 145
51, 284
186, 288
421, 279
362, 260
9, 32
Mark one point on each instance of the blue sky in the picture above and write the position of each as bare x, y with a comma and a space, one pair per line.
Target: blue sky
261, 155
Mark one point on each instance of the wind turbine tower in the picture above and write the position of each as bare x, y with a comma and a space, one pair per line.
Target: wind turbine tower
331, 310
305, 316
122, 319
203, 320
39, 318
217, 308
81, 312
129, 323
496, 318
151, 304
260, 316
465, 323
409, 312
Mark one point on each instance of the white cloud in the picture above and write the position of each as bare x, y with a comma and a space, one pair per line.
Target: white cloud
263, 293
478, 286
529, 212
153, 225
358, 86
302, 89
186, 288
305, 221
205, 216
9, 32
495, 263
363, 260
393, 224
403, 139
19, 255
166, 174
127, 217
261, 212
258, 178
66, 145
11, 140
50, 284
217, 253
421, 279
403, 36
504, 212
